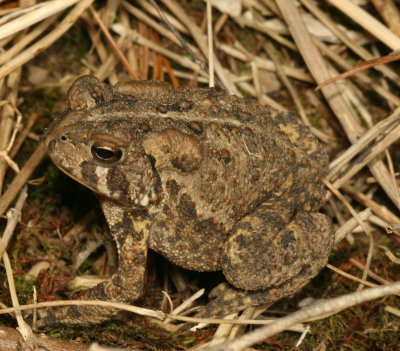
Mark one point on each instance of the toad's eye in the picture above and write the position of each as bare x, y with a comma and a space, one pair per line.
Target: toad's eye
106, 154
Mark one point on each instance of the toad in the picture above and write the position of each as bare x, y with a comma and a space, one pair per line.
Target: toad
212, 182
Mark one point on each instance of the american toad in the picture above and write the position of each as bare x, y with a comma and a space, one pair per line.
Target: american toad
212, 182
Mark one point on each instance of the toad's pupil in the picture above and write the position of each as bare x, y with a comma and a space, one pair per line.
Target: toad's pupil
106, 154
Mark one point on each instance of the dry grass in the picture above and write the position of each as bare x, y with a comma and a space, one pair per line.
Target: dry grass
44, 48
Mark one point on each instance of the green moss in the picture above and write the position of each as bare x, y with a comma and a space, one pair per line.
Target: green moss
55, 333
190, 340
112, 326
24, 289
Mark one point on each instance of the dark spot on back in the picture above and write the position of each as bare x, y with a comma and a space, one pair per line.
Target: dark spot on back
186, 207
180, 106
243, 116
185, 105
196, 127
162, 109
289, 259
287, 239
173, 187
224, 156
144, 127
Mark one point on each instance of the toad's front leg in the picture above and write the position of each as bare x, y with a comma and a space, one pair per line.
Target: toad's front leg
130, 234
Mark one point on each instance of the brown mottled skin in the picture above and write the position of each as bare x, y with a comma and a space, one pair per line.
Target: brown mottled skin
210, 181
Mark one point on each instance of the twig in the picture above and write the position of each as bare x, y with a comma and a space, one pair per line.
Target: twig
110, 12
254, 24
7, 123
183, 306
369, 156
264, 63
380, 210
265, 99
134, 309
26, 38
317, 308
102, 52
393, 310
350, 276
130, 48
46, 10
248, 313
261, 61
136, 37
23, 134
371, 274
360, 222
318, 68
13, 216
146, 5
363, 66
369, 23
390, 254
21, 178
210, 44
383, 126
350, 43
107, 68
202, 43
46, 41
179, 37
389, 13
222, 331
113, 44
351, 224
140, 15
23, 327
361, 78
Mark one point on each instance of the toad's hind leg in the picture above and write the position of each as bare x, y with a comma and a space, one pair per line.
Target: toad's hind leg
269, 256
125, 285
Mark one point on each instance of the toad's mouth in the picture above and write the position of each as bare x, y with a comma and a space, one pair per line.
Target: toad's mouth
70, 173
143, 201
